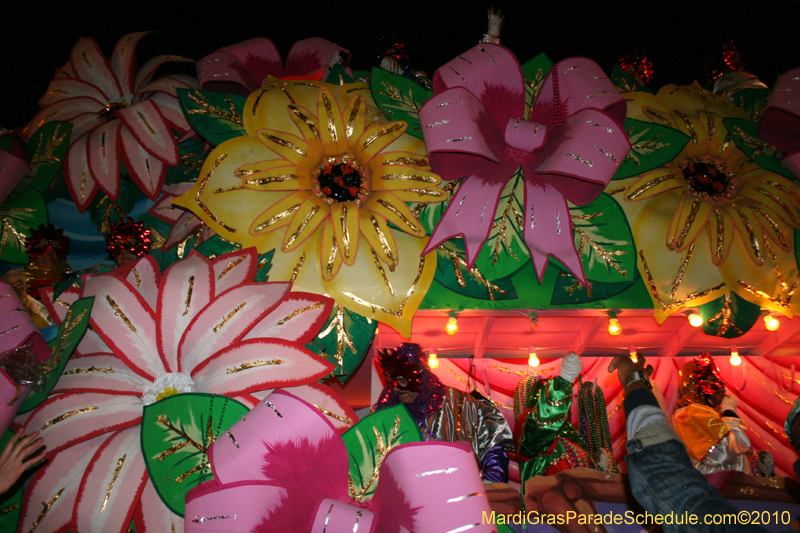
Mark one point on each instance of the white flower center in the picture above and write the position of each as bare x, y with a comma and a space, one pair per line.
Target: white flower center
166, 385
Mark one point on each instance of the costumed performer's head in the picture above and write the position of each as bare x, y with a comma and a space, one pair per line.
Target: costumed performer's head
128, 241
47, 247
700, 382
408, 380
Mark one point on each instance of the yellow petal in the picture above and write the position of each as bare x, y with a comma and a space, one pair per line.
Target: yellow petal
330, 256
306, 220
398, 159
331, 124
300, 265
355, 117
647, 107
689, 220
720, 227
375, 138
395, 177
344, 216
307, 124
780, 234
271, 176
267, 107
655, 182
391, 297
421, 194
749, 231
278, 214
394, 210
291, 147
375, 229
773, 199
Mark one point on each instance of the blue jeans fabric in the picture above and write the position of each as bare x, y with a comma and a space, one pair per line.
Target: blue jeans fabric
663, 480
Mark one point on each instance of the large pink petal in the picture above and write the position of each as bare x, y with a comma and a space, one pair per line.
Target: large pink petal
104, 158
471, 214
147, 171
186, 224
145, 276
103, 374
163, 208
170, 107
326, 400
85, 122
111, 487
57, 484
548, 230
240, 68
259, 364
123, 60
65, 110
226, 319
233, 269
309, 55
298, 318
125, 321
169, 85
91, 65
65, 88
80, 182
240, 508
186, 288
149, 69
66, 419
146, 123
152, 516
91, 342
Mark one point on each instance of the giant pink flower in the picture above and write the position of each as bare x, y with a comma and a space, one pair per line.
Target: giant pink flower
204, 326
569, 146
116, 112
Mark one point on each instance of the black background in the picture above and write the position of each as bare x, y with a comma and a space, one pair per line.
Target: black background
36, 36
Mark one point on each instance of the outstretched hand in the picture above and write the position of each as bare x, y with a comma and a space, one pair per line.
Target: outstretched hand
18, 455
625, 367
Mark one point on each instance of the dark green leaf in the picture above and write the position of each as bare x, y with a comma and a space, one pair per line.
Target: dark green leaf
625, 82
104, 213
399, 98
18, 216
338, 76
361, 74
745, 134
451, 272
217, 117
176, 433
344, 341
48, 146
729, 316
652, 145
70, 333
568, 290
191, 161
751, 101
395, 427
534, 71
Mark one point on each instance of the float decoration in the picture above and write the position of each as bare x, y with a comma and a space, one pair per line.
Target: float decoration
183, 225
745, 135
106, 212
11, 501
487, 82
216, 117
344, 341
192, 152
176, 434
70, 333
626, 82
751, 101
730, 316
48, 148
452, 272
534, 72
399, 98
780, 122
652, 145
20, 214
14, 159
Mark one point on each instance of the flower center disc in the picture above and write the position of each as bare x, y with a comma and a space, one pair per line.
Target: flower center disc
109, 112
705, 179
340, 181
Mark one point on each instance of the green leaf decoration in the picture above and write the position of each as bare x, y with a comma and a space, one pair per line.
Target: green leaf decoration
452, 272
339, 76
730, 316
569, 291
344, 341
625, 82
429, 214
361, 74
751, 101
216, 245
534, 71
70, 333
745, 135
176, 434
104, 213
19, 214
399, 98
48, 147
77, 281
191, 161
217, 117
11, 500
370, 440
505, 251
652, 145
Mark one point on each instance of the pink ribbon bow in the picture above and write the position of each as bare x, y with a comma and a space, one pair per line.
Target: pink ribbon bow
780, 122
569, 147
283, 467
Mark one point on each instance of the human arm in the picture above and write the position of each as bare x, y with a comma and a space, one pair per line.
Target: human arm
18, 455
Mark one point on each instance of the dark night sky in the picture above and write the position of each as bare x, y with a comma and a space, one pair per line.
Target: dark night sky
37, 35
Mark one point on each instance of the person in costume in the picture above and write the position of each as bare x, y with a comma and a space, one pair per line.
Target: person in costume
706, 421
792, 427
127, 241
546, 441
444, 413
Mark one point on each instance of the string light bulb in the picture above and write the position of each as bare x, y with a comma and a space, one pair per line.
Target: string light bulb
695, 319
614, 328
451, 328
735, 359
633, 354
533, 361
433, 359
533, 318
771, 323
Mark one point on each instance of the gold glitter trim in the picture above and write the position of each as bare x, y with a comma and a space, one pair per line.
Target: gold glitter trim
351, 121
345, 419
118, 312
678, 303
331, 259
384, 131
329, 111
282, 142
688, 124
136, 275
751, 235
399, 312
149, 127
774, 225
649, 185
342, 339
88, 371
377, 262
459, 263
410, 177
388, 206
232, 188
120, 462
299, 114
297, 267
787, 209
608, 155
188, 300
382, 449
720, 244
420, 162
382, 238
200, 188
299, 311
579, 159
293, 236
724, 315
10, 508
209, 109
197, 468
345, 232
277, 218
229, 316
63, 417
230, 266
253, 364
45, 509
681, 271
686, 226
272, 179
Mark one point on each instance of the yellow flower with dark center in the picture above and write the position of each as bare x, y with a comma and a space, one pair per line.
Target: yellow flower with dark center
711, 220
320, 177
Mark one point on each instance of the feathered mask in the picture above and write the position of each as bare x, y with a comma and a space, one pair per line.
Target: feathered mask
407, 362
47, 236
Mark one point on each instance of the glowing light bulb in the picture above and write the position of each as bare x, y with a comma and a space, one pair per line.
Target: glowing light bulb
433, 360
695, 320
533, 361
735, 359
613, 327
634, 356
452, 326
771, 323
